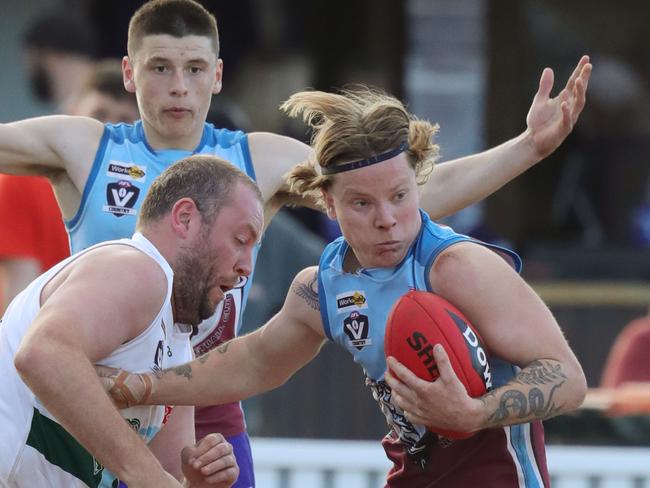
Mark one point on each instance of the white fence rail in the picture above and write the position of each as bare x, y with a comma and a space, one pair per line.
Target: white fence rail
305, 463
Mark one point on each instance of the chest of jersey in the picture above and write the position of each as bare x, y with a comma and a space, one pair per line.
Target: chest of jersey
125, 166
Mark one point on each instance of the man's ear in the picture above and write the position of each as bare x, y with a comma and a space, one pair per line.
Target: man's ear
329, 204
185, 217
127, 75
216, 88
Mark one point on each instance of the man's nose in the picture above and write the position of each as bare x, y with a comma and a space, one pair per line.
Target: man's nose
179, 85
244, 266
385, 217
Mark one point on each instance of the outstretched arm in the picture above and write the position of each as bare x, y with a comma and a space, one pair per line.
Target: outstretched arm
240, 368
549, 122
47, 145
517, 327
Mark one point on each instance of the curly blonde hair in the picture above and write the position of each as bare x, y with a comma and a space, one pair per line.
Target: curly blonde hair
357, 123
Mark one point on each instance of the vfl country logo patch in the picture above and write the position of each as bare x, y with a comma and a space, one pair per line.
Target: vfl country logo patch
121, 197
126, 171
351, 300
356, 328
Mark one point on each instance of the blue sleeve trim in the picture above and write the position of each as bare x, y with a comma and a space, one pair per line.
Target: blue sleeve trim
248, 160
511, 256
323, 306
99, 156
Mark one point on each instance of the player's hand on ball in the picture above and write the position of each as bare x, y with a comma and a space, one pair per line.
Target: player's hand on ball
210, 462
125, 389
441, 405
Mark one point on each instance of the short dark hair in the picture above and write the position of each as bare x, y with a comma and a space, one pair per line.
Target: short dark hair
206, 179
177, 18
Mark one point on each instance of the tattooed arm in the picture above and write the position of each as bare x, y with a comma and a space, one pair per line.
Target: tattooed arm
516, 326
244, 366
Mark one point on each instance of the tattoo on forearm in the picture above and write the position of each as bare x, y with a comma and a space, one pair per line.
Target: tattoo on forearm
184, 370
204, 357
517, 404
223, 347
308, 292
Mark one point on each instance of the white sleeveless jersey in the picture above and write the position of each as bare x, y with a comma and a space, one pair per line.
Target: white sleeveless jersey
34, 449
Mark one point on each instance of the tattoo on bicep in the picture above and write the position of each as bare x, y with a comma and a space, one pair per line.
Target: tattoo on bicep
514, 403
308, 292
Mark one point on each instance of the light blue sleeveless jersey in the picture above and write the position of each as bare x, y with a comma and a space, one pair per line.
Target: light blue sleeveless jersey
124, 168
354, 308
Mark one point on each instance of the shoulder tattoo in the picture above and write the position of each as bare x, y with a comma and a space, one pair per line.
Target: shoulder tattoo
308, 291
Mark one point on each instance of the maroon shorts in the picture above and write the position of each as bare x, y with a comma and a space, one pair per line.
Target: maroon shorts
494, 458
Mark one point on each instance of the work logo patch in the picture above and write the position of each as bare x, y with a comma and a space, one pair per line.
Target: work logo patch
120, 198
351, 300
126, 171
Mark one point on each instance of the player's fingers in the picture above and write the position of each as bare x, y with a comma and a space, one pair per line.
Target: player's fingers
404, 396
444, 365
586, 75
577, 72
545, 85
218, 465
403, 375
221, 451
567, 119
579, 99
210, 441
226, 476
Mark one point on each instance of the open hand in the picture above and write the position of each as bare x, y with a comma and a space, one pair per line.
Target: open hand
550, 120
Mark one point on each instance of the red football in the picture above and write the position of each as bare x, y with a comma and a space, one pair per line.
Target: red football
418, 321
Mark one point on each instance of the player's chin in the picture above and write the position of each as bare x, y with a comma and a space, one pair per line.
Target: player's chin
208, 308
388, 259
178, 127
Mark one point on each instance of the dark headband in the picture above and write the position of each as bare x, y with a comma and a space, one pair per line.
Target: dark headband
340, 168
